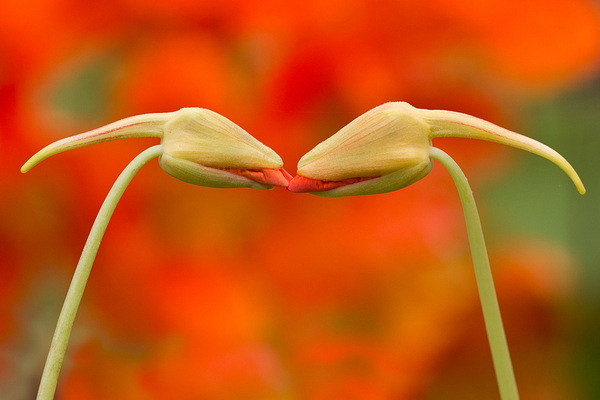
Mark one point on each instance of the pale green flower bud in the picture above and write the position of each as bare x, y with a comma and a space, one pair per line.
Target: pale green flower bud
384, 149
199, 147
387, 148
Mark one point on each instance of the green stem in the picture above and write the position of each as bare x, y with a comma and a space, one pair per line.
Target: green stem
485, 282
64, 325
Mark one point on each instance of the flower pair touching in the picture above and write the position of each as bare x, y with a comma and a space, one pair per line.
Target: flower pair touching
385, 149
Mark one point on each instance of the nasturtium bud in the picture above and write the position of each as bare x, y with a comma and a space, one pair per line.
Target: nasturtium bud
199, 146
204, 148
382, 150
387, 148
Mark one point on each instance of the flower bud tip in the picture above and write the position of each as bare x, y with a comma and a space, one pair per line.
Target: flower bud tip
302, 184
266, 176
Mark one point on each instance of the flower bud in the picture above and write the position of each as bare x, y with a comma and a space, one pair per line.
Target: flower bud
199, 147
387, 148
204, 148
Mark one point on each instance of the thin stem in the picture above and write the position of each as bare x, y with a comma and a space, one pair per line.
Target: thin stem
64, 325
485, 282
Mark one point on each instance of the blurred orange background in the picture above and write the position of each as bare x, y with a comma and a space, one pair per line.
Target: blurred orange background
201, 293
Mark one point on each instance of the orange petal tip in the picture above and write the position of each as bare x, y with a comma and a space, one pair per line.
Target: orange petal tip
266, 176
302, 184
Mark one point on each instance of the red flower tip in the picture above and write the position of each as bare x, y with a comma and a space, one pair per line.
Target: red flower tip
266, 176
302, 184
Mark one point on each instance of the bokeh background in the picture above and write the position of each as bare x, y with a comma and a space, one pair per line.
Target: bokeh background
206, 294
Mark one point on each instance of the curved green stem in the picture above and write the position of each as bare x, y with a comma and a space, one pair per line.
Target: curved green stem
485, 282
64, 325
